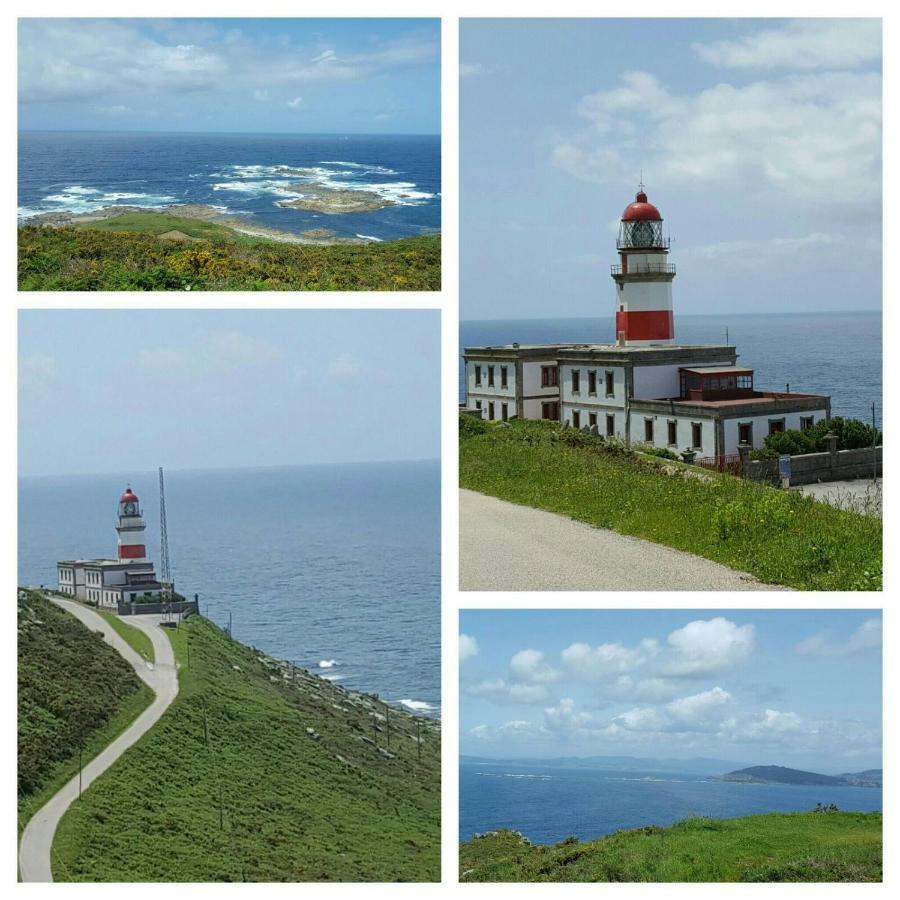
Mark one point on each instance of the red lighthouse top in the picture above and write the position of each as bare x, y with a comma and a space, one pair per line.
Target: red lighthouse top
129, 496
641, 210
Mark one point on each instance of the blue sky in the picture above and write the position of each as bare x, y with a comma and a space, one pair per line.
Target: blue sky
102, 391
763, 687
363, 76
759, 140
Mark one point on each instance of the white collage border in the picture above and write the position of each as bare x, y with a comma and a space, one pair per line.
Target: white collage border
447, 301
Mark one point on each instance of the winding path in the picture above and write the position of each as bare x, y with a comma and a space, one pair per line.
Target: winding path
162, 678
507, 547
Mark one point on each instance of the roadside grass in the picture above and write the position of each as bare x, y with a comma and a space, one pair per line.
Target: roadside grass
779, 537
819, 847
126, 253
136, 639
261, 772
74, 691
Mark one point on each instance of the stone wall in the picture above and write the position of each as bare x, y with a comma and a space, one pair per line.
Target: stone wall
810, 468
177, 607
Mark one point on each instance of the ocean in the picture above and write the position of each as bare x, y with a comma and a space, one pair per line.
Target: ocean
548, 804
838, 354
335, 567
238, 173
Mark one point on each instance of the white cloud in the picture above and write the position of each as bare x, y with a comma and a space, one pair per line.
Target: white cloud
565, 717
693, 711
37, 373
708, 646
639, 719
866, 637
821, 43
468, 647
211, 351
529, 666
344, 366
62, 59
509, 692
296, 103
592, 663
470, 70
813, 141
261, 95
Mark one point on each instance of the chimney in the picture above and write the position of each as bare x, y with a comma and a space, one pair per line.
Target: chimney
621, 339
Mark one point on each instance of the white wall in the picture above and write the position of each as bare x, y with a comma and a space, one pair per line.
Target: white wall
583, 397
761, 426
483, 388
531, 378
640, 296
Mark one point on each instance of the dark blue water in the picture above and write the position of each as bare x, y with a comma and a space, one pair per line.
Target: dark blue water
86, 171
315, 563
547, 804
838, 354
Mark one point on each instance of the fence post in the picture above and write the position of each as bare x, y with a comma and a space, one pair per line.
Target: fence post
832, 441
744, 454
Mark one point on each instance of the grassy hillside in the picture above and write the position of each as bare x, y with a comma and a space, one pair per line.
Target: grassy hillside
829, 846
74, 691
780, 537
126, 253
261, 772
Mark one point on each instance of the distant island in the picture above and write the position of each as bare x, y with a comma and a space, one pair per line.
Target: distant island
783, 775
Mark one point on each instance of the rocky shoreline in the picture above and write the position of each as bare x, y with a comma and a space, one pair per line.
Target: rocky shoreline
201, 212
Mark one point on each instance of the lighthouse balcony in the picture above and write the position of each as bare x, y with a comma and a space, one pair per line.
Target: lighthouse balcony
643, 269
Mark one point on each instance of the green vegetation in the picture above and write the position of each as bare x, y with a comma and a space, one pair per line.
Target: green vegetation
778, 536
825, 845
137, 640
851, 434
783, 775
261, 772
75, 692
126, 253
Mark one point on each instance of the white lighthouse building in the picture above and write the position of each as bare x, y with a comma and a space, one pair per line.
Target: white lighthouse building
643, 277
643, 388
113, 583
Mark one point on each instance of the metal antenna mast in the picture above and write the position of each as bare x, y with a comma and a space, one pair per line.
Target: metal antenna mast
165, 569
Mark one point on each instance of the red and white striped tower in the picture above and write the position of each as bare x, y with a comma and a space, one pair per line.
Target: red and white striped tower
643, 276
131, 528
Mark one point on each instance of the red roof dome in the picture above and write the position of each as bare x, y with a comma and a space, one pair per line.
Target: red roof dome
129, 496
641, 210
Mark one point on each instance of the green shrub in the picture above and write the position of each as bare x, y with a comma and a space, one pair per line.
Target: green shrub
661, 452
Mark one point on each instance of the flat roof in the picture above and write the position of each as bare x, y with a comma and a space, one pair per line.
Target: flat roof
605, 348
716, 370
103, 563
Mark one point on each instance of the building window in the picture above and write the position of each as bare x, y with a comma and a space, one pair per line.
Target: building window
549, 376
503, 376
592, 383
592, 420
504, 411
477, 404
745, 433
745, 381
648, 430
610, 424
776, 426
696, 435
550, 411
672, 428
490, 376
610, 384
477, 376
806, 422
576, 418
576, 381
491, 410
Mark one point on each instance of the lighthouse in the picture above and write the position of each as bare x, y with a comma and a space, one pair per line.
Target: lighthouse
643, 277
130, 528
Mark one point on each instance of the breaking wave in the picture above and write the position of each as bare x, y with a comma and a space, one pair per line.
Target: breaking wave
77, 198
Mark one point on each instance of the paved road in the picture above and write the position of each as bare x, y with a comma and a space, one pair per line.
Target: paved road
506, 547
161, 676
861, 494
